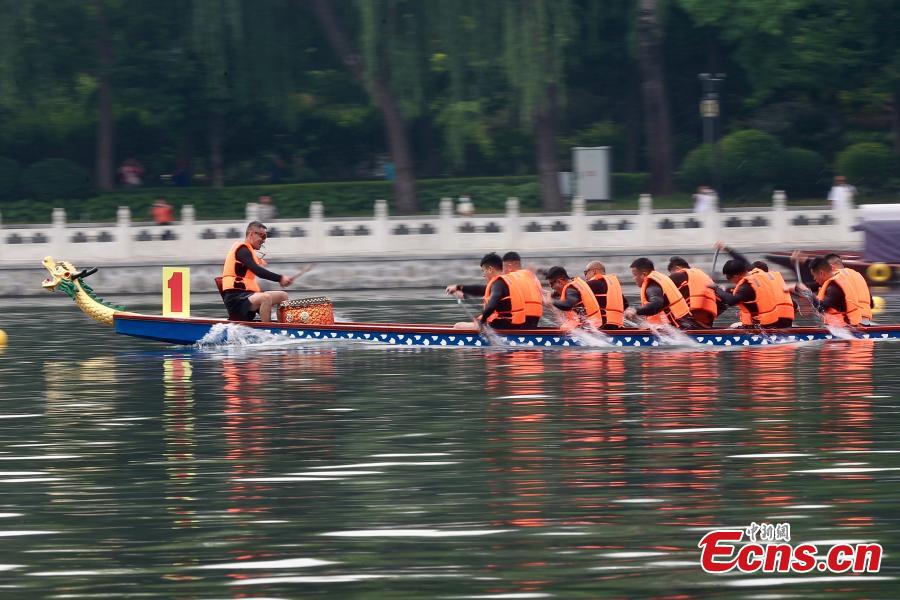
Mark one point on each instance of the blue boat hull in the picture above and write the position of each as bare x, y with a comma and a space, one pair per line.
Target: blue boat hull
190, 331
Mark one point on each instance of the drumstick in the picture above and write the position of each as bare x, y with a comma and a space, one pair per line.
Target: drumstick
302, 271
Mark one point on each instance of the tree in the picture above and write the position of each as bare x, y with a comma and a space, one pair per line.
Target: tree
373, 78
654, 98
105, 162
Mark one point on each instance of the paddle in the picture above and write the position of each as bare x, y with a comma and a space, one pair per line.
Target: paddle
715, 259
303, 271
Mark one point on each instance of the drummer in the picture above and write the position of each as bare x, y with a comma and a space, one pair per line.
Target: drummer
240, 288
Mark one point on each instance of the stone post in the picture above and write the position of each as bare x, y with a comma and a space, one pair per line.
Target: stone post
316, 227
381, 226
780, 225
188, 233
58, 241
645, 220
446, 229
123, 232
579, 223
512, 227
712, 219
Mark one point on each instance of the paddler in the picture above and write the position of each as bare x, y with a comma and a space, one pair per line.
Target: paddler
753, 293
534, 306
837, 297
787, 306
863, 293
608, 292
696, 287
661, 302
240, 288
504, 297
576, 300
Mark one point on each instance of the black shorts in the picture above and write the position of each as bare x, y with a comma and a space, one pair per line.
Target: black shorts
237, 303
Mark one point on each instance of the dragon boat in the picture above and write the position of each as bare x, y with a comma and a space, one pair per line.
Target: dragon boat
65, 277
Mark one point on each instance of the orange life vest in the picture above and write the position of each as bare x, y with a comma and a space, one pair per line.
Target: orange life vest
613, 312
588, 303
676, 306
699, 295
853, 314
531, 290
231, 280
863, 294
785, 304
766, 300
516, 312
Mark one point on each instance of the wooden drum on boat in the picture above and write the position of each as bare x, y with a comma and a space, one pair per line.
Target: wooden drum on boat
307, 311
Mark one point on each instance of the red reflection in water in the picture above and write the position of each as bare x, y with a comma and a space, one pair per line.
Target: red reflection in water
845, 374
766, 378
681, 392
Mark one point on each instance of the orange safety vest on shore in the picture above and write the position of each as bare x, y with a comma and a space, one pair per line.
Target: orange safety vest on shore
588, 303
785, 304
614, 311
676, 306
700, 296
853, 314
766, 300
246, 281
531, 291
516, 312
863, 294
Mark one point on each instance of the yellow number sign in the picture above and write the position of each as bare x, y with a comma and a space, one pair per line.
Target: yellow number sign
176, 298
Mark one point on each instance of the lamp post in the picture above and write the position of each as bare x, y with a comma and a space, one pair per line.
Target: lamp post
710, 113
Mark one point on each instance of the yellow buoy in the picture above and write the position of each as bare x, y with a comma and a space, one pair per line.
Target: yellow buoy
879, 272
3, 338
878, 304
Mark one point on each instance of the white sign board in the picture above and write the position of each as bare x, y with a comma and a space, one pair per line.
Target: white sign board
592, 172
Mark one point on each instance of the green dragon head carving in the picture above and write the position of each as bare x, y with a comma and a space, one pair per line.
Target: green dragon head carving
64, 276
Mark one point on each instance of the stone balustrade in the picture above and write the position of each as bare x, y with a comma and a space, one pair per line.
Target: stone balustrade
189, 240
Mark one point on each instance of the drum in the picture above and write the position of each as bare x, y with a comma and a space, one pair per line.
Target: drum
307, 311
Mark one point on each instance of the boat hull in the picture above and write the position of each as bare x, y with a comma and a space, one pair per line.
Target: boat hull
190, 331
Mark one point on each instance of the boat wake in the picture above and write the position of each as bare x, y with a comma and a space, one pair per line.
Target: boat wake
231, 334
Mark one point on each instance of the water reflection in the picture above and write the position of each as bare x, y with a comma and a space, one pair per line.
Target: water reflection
359, 471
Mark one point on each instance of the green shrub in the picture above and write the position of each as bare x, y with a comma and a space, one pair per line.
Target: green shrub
696, 168
867, 165
55, 178
751, 162
9, 177
626, 186
803, 173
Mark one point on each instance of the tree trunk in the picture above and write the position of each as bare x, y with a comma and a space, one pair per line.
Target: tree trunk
216, 137
654, 98
895, 121
105, 126
384, 99
545, 150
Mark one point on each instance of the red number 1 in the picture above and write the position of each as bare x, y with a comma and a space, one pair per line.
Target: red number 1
174, 285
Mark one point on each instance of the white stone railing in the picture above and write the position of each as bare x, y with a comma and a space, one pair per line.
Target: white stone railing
197, 241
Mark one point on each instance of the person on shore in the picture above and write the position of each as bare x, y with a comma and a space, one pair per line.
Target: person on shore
696, 287
661, 302
863, 293
162, 212
837, 297
787, 306
753, 294
608, 291
841, 194
240, 289
576, 300
531, 285
504, 298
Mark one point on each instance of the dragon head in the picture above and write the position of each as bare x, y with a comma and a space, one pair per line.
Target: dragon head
61, 273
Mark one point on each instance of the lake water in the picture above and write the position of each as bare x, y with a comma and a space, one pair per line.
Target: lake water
132, 469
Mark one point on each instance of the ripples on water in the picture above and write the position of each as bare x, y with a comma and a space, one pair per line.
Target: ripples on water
129, 468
